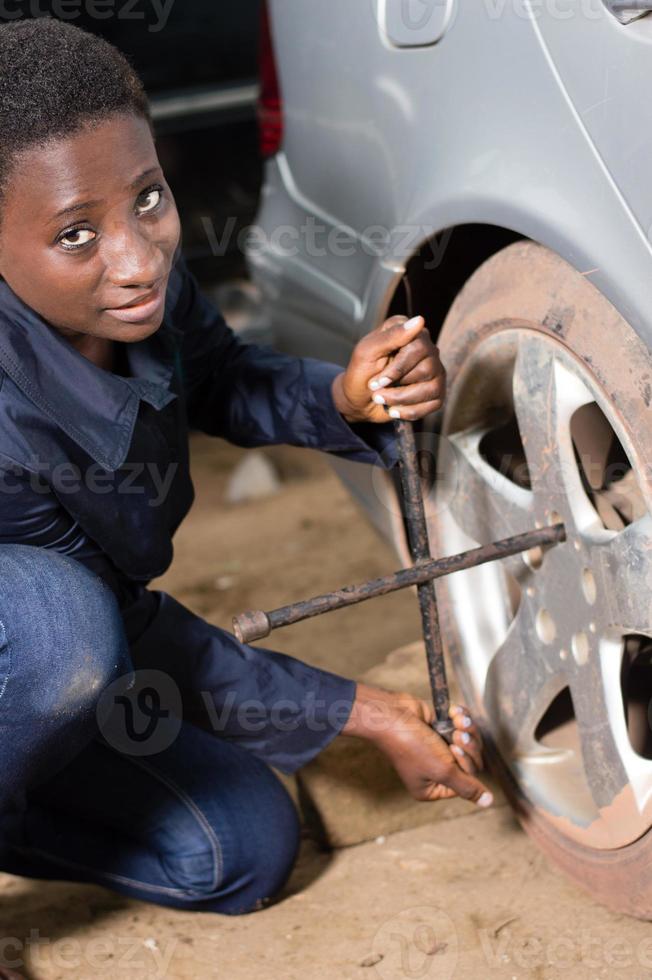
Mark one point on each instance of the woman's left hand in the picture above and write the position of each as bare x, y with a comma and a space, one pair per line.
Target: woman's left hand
399, 724
399, 353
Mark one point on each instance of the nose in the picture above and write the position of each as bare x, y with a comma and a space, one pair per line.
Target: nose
131, 257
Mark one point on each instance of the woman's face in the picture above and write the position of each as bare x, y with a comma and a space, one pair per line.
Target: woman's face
89, 225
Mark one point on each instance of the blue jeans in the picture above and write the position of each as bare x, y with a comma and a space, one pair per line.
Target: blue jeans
202, 824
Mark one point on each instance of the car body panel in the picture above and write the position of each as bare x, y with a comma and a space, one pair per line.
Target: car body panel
503, 122
480, 127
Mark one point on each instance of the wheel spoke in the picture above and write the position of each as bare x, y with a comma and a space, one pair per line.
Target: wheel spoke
486, 505
623, 565
522, 680
603, 762
545, 396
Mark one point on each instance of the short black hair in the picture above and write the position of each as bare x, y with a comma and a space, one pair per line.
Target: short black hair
54, 80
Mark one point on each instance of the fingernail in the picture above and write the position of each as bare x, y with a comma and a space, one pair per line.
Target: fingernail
374, 384
466, 738
485, 800
466, 721
455, 709
394, 413
409, 324
379, 400
457, 750
383, 382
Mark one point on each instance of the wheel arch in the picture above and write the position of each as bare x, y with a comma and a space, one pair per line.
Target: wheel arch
438, 269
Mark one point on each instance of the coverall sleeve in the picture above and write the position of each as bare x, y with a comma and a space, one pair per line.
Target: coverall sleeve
254, 395
280, 708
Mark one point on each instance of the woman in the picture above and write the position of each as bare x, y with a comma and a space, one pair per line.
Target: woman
108, 353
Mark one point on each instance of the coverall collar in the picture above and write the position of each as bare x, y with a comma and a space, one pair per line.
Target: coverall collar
96, 408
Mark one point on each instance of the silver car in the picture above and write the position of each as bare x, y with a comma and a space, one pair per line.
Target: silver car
492, 159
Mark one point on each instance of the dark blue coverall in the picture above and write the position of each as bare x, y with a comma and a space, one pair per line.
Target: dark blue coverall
94, 481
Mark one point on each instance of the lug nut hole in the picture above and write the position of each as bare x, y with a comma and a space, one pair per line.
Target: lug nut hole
534, 558
580, 647
545, 626
588, 586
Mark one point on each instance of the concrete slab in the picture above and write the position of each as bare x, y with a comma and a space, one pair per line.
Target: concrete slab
466, 899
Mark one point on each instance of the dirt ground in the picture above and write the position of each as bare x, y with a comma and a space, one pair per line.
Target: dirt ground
461, 898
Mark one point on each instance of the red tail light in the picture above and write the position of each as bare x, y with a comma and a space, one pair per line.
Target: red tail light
270, 106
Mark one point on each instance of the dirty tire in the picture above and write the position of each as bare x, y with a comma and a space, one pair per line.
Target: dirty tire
527, 287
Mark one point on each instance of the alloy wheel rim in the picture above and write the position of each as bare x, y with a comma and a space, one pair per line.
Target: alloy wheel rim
550, 641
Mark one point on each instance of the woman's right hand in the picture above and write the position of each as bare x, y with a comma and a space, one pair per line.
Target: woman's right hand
400, 725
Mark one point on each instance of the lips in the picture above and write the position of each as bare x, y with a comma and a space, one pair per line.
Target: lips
143, 310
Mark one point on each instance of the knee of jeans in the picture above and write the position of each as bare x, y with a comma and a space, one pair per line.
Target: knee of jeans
242, 866
62, 626
265, 871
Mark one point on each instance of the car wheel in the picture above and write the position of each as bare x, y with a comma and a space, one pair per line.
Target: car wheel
548, 418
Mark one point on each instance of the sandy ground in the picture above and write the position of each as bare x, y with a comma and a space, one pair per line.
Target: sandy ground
469, 897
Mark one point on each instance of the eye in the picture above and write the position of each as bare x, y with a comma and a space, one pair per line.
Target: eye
76, 238
149, 200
